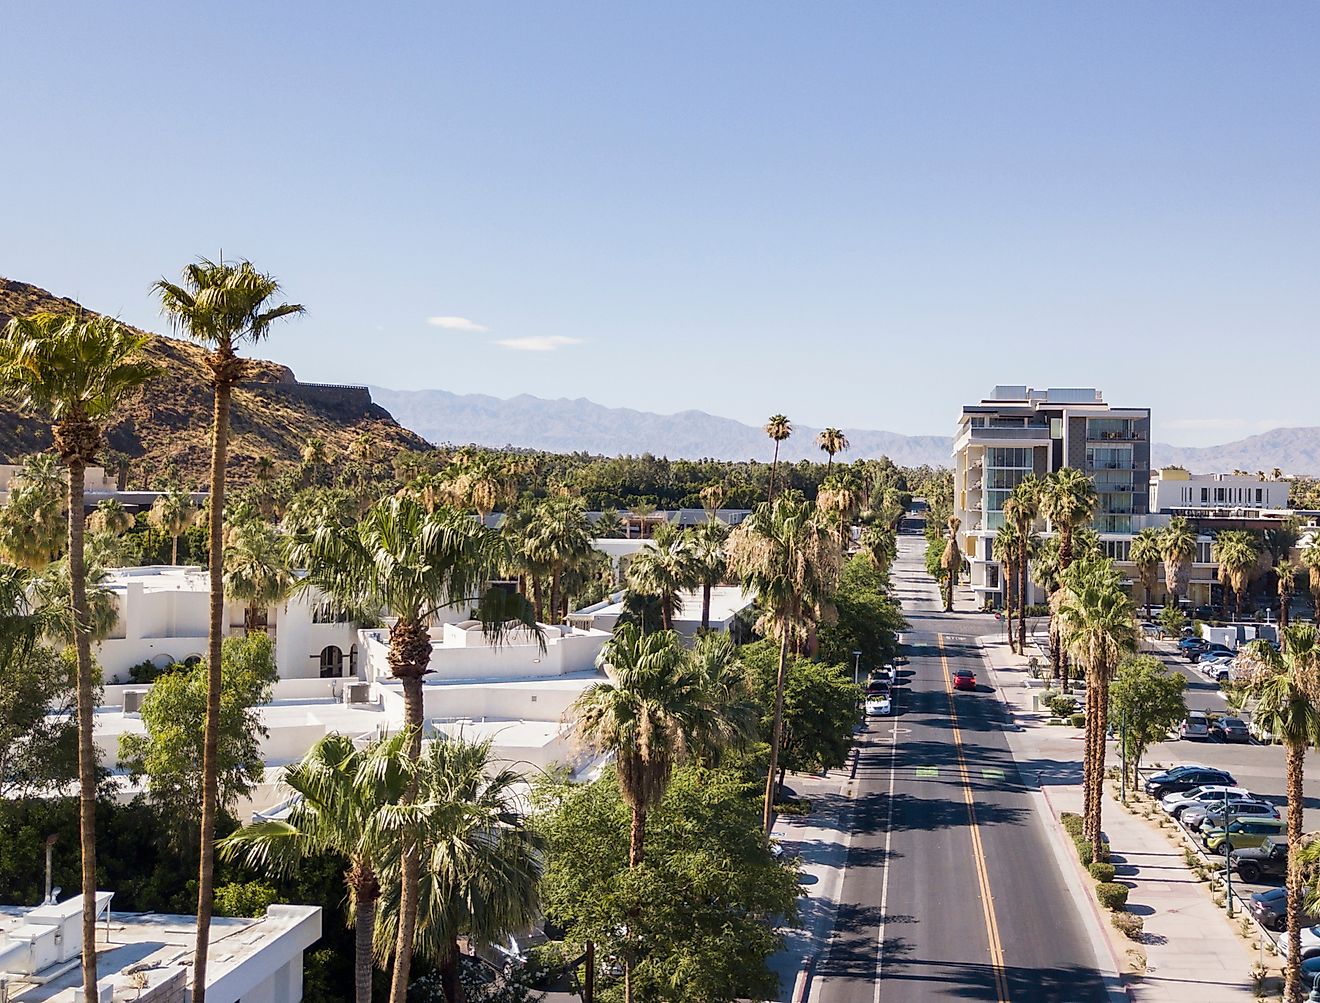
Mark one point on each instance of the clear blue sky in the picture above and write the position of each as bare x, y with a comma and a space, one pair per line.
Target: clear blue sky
859, 214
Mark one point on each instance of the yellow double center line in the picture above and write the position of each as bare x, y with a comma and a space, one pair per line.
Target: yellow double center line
978, 850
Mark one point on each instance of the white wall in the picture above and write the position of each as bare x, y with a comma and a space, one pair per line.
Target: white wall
563, 655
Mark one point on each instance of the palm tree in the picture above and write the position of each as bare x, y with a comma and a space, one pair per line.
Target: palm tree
724, 678
1238, 553
222, 307
1022, 509
880, 544
110, 518
265, 467
257, 572
1311, 558
709, 561
785, 556
779, 428
831, 441
1286, 685
1068, 500
559, 539
1145, 553
1004, 549
76, 370
712, 498
339, 793
840, 495
34, 524
172, 513
649, 713
665, 570
1286, 574
951, 562
482, 865
413, 564
642, 511
608, 525
1098, 629
1178, 548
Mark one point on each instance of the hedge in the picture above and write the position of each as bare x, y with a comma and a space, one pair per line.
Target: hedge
1112, 895
1101, 871
1085, 852
1072, 823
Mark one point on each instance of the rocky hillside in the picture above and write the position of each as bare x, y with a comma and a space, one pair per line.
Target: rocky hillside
169, 421
565, 426
1293, 450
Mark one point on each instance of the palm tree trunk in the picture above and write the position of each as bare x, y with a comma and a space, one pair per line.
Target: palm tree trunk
1283, 613
449, 973
1022, 598
1148, 591
366, 890
211, 742
174, 550
86, 750
1296, 758
554, 595
705, 606
774, 469
767, 819
666, 612
409, 636
637, 837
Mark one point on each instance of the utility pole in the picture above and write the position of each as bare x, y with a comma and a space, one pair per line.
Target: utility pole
1122, 746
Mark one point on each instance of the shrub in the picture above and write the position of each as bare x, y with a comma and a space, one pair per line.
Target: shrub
249, 898
1101, 871
1112, 895
1061, 704
1127, 924
1085, 852
1079, 720
1072, 824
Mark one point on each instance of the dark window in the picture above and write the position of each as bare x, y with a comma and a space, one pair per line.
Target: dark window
332, 661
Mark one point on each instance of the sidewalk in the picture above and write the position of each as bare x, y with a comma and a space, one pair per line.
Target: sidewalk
1193, 952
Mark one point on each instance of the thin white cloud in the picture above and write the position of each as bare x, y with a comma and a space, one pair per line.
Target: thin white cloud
457, 324
542, 343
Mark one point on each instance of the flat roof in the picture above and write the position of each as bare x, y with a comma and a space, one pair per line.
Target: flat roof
725, 601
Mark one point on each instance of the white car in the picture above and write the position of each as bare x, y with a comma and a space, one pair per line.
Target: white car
879, 705
1175, 804
1210, 666
1310, 938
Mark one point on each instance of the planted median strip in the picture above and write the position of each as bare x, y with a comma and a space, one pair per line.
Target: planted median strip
1109, 893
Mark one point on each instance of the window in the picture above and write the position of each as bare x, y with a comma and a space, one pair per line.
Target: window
332, 662
1056, 428
1203, 552
1205, 495
1016, 457
326, 612
1109, 457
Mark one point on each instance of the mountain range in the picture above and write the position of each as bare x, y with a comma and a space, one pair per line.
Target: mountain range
572, 425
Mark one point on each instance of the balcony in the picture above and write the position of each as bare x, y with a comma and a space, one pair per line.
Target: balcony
1032, 435
1115, 436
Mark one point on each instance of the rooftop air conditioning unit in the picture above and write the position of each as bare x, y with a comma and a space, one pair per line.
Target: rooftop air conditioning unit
358, 692
133, 700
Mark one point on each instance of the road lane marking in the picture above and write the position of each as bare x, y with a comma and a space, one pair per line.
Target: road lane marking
928, 771
978, 850
992, 774
884, 885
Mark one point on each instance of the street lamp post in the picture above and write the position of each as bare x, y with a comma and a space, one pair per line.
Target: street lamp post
1122, 746
1228, 854
857, 667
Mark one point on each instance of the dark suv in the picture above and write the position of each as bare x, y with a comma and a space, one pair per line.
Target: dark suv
1267, 861
1184, 778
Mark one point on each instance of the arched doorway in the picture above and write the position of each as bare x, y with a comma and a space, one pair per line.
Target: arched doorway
332, 662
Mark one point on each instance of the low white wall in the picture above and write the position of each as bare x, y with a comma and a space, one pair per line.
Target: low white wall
563, 655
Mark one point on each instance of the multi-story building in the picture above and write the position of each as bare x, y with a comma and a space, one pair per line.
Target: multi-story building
1175, 491
1019, 431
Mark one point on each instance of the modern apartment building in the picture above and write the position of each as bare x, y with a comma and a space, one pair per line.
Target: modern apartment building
1019, 431
1178, 492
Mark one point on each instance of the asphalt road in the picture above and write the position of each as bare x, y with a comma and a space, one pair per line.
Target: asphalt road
951, 890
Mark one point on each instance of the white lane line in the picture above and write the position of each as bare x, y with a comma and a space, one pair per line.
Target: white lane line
884, 886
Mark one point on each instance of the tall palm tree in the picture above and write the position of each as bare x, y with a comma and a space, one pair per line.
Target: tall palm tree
1238, 554
172, 513
647, 715
110, 518
951, 562
77, 371
481, 865
642, 511
340, 792
413, 564
840, 495
265, 468
559, 539
257, 571
710, 563
1022, 508
34, 524
665, 570
1285, 573
1004, 549
785, 555
1068, 500
831, 441
779, 428
712, 498
880, 544
1098, 629
1145, 553
1311, 558
736, 715
222, 307
1286, 685
1178, 548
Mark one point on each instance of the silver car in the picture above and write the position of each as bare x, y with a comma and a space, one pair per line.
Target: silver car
1210, 815
1195, 725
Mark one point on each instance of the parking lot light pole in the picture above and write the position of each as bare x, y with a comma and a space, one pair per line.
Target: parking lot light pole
1122, 748
857, 667
1228, 855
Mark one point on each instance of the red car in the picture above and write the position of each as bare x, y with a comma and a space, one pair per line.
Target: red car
964, 679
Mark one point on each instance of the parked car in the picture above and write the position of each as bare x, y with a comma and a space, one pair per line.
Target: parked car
1203, 613
1269, 861
1211, 815
1194, 725
1176, 804
1310, 938
879, 703
1271, 909
883, 675
1230, 729
1213, 649
1208, 662
1241, 832
964, 679
1184, 778
1260, 733
1151, 630
1192, 645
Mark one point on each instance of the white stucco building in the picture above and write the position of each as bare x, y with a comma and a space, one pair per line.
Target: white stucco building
1176, 491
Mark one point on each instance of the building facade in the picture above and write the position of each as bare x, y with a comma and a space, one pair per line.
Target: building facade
1175, 491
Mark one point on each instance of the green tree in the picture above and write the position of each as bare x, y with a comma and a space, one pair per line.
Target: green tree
222, 307
710, 563
866, 619
1286, 686
76, 371
1178, 548
34, 523
1146, 554
110, 517
951, 563
1004, 549
700, 919
785, 556
341, 794
1238, 554
559, 540
1021, 510
1068, 500
665, 570
831, 441
257, 571
779, 428
172, 513
1311, 559
414, 564
1285, 574
1148, 700
170, 755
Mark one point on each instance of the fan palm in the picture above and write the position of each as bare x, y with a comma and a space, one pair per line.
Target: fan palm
111, 518
413, 564
779, 428
558, 539
951, 562
665, 570
1178, 548
77, 371
831, 441
712, 498
222, 307
481, 865
1068, 500
1286, 686
785, 556
1311, 558
710, 563
172, 513
1004, 549
642, 511
880, 543
1022, 508
1145, 553
34, 524
1238, 553
339, 792
257, 572
1285, 573
735, 714
1097, 628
